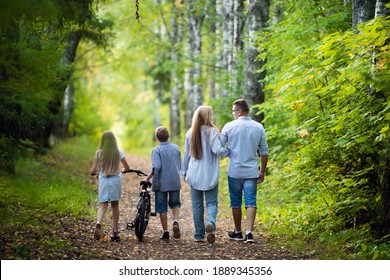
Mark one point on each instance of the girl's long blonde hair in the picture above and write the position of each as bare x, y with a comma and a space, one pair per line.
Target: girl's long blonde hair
109, 158
203, 116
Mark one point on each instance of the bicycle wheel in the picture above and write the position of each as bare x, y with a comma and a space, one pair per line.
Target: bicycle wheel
141, 219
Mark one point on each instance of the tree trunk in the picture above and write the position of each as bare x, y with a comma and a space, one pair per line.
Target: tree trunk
227, 56
176, 82
218, 48
238, 44
257, 17
65, 106
362, 11
380, 8
211, 68
193, 71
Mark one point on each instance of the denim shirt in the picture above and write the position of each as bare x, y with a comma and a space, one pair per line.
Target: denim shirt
166, 165
203, 174
245, 138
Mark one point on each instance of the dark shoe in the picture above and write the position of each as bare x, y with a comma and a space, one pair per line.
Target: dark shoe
97, 234
249, 238
235, 235
165, 235
176, 229
210, 233
115, 237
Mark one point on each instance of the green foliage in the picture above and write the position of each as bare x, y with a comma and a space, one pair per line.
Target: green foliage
51, 187
327, 119
32, 78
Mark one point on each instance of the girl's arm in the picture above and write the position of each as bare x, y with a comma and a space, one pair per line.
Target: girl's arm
94, 168
216, 145
125, 164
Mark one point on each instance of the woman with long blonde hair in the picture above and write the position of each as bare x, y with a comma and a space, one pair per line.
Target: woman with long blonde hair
202, 150
107, 162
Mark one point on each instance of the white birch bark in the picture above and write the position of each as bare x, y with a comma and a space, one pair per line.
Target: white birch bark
193, 71
380, 8
257, 17
227, 38
218, 47
175, 80
362, 11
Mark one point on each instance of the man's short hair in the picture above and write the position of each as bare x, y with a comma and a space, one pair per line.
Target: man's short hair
241, 104
162, 134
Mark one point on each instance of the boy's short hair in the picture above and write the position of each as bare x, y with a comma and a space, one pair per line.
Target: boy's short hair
162, 134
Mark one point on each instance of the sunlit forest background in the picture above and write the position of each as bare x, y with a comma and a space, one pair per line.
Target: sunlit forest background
316, 73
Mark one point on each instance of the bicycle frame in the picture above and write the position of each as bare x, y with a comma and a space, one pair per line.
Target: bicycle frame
141, 219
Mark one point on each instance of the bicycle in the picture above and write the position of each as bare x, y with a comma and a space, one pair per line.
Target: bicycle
140, 222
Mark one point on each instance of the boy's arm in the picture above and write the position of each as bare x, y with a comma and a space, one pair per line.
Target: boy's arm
150, 175
156, 164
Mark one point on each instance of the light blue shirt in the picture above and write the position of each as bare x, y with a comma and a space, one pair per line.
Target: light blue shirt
166, 165
203, 174
244, 137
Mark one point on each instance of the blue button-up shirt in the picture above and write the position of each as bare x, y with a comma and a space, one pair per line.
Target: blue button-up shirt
245, 137
166, 165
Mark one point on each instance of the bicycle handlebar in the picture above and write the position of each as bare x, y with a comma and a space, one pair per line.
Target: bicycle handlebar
139, 172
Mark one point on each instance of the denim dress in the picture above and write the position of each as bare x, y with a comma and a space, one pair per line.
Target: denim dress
110, 188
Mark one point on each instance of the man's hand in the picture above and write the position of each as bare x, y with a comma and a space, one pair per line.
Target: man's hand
261, 178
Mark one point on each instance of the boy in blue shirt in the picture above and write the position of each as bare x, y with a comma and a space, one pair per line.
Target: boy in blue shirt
165, 174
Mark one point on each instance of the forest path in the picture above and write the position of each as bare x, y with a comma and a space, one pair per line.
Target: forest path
184, 248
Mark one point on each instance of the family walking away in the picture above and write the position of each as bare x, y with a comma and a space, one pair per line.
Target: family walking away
165, 174
243, 140
107, 162
202, 150
247, 142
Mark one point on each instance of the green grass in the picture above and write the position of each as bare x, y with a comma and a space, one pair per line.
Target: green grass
54, 185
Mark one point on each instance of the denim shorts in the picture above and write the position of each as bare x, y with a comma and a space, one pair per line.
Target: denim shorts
163, 199
237, 187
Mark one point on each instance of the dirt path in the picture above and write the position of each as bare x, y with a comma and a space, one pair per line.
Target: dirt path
181, 249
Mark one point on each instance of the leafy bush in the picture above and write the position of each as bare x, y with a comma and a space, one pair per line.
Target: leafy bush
327, 120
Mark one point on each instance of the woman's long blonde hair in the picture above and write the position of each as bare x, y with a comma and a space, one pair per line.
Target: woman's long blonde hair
109, 158
203, 116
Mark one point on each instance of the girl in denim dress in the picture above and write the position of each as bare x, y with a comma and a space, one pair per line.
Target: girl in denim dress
107, 162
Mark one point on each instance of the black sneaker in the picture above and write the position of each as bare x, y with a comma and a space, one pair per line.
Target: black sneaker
249, 238
210, 233
165, 235
115, 237
235, 235
176, 229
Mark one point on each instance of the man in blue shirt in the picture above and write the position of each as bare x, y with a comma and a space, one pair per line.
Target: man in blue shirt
247, 142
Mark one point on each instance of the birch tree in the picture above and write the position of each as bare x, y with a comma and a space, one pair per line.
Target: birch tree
362, 11
193, 71
233, 24
176, 35
257, 17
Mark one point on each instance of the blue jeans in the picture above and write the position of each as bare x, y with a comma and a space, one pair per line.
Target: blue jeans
239, 186
198, 209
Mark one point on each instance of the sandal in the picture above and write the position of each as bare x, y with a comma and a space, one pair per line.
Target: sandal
97, 234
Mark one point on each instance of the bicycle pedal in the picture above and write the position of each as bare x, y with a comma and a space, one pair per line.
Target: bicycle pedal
130, 226
154, 214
